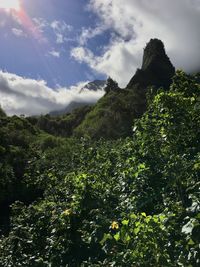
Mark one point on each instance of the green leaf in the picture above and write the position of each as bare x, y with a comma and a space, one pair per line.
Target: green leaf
136, 230
125, 222
137, 224
191, 242
133, 216
155, 219
117, 236
105, 238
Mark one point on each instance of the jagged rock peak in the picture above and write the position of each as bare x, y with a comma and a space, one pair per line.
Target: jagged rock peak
157, 69
154, 50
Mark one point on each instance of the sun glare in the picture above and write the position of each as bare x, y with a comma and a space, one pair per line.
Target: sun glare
10, 4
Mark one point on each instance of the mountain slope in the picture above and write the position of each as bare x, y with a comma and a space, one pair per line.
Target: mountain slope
62, 125
113, 115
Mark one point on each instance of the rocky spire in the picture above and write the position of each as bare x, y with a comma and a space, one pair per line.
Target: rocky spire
157, 70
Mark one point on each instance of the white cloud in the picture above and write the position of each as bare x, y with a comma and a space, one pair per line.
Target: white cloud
19, 95
133, 23
18, 32
118, 61
84, 55
40, 23
59, 38
54, 53
60, 26
61, 29
88, 33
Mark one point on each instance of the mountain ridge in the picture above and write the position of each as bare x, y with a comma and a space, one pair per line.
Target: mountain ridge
114, 114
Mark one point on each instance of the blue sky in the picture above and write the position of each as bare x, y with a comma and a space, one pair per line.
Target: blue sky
50, 48
51, 60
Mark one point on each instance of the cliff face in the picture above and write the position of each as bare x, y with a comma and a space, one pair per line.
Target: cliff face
157, 69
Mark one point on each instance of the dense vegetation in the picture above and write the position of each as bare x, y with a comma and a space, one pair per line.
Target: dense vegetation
126, 202
112, 117
61, 125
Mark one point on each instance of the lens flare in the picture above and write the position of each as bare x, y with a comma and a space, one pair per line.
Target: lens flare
16, 11
10, 4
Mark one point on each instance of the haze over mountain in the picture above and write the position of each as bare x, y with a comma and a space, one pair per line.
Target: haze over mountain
29, 97
95, 86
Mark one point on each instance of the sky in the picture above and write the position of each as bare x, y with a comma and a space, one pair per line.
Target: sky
49, 49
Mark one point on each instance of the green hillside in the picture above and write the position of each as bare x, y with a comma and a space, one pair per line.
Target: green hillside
114, 114
61, 125
132, 201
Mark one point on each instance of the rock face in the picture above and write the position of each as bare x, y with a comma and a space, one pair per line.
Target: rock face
157, 69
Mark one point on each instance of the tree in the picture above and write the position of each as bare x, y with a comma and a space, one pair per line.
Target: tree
111, 85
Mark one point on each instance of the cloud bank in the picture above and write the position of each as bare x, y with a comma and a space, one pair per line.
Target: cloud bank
132, 24
20, 95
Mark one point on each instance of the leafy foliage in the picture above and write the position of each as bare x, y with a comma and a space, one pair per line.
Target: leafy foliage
62, 125
15, 149
126, 202
112, 117
111, 85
